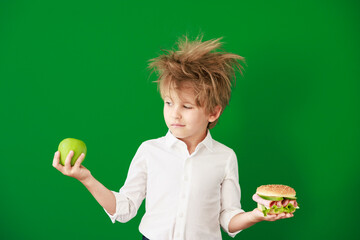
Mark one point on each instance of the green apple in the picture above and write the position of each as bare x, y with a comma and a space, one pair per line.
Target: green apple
69, 144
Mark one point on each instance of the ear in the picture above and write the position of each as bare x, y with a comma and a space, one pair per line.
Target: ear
216, 114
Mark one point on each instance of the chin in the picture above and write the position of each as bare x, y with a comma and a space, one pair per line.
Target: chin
179, 133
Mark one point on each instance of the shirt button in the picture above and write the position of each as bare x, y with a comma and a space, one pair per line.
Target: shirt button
181, 215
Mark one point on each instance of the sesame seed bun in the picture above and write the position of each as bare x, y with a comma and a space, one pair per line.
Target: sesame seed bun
276, 190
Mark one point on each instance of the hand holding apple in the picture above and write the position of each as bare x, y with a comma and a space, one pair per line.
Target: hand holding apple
77, 171
69, 157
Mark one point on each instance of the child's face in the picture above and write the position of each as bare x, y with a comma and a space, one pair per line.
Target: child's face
184, 118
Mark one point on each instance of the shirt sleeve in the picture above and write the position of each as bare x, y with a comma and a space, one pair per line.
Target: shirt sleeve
230, 195
133, 192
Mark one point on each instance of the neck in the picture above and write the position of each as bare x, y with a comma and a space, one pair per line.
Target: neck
192, 144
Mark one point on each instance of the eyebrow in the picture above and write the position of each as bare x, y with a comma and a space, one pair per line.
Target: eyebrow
185, 102
189, 103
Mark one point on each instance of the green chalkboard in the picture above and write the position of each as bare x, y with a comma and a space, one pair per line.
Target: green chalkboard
77, 69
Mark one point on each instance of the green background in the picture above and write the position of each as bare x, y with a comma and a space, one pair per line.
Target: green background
78, 69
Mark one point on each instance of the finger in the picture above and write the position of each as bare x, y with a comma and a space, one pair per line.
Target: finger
80, 160
275, 217
271, 217
56, 161
68, 160
284, 215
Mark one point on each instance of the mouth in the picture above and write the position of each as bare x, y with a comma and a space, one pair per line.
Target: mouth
177, 125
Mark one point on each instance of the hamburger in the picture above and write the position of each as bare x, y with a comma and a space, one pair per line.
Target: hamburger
275, 199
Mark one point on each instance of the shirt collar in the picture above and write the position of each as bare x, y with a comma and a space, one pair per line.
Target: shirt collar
170, 140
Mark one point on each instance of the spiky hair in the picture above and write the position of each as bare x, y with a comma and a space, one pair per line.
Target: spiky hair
210, 73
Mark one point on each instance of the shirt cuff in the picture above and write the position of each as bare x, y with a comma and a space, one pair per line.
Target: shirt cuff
228, 219
121, 209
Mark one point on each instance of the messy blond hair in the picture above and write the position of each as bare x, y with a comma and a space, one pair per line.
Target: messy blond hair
210, 73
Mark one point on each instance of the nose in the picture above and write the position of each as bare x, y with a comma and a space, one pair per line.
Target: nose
176, 113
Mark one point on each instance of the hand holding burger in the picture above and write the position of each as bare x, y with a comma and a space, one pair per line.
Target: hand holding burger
276, 199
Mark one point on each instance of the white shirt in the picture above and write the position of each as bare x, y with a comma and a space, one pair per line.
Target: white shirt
188, 197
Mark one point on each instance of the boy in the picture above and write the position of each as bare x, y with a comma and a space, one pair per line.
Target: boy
190, 181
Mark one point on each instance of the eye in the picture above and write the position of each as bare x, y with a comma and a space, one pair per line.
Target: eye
168, 103
187, 107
